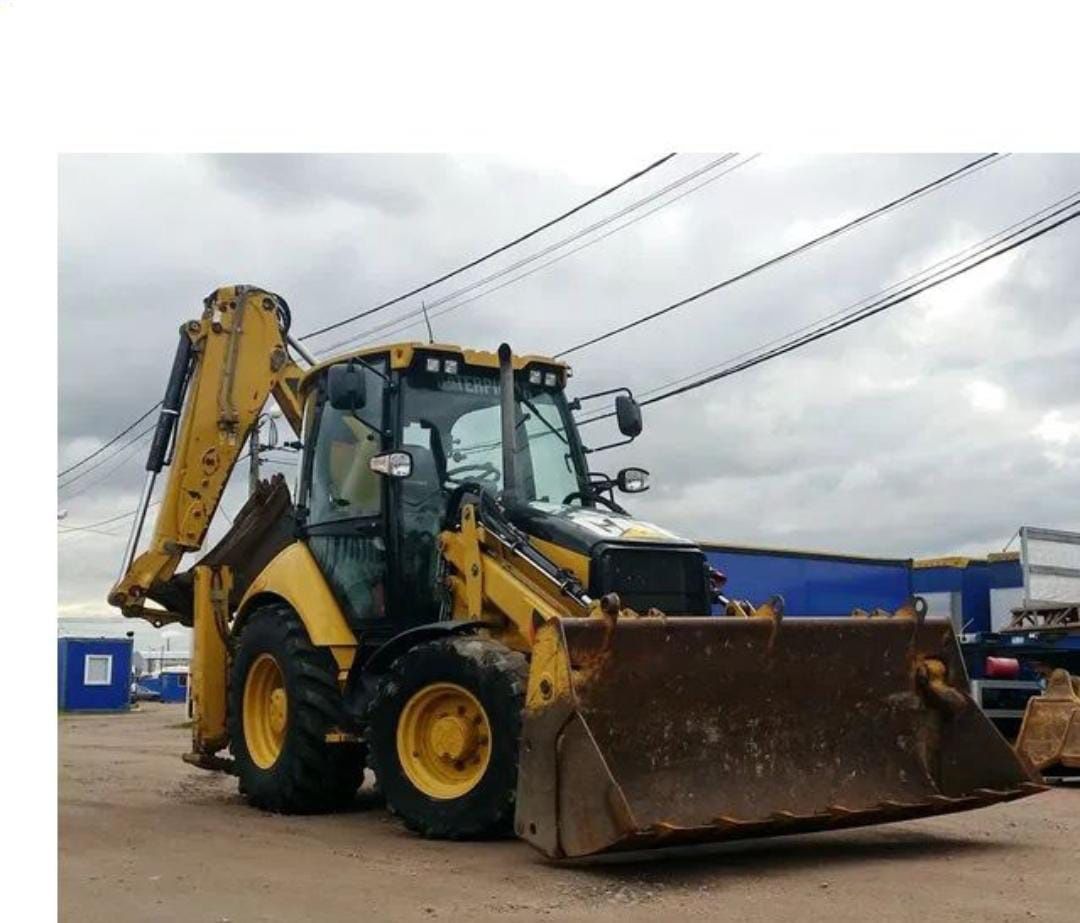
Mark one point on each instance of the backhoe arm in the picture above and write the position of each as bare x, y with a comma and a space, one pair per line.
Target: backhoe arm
226, 366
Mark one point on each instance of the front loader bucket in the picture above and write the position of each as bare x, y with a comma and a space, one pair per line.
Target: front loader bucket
647, 732
1050, 734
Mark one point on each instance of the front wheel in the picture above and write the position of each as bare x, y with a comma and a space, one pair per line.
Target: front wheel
445, 726
283, 700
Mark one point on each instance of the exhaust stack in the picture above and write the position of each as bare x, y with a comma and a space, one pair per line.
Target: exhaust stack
509, 425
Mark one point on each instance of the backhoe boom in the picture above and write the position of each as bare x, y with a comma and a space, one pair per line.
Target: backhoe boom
227, 364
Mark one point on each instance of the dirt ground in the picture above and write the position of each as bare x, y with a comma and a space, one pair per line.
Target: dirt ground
144, 837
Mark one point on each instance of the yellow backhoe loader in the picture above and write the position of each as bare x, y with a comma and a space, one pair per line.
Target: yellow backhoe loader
453, 599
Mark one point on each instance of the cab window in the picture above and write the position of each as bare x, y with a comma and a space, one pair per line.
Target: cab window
343, 486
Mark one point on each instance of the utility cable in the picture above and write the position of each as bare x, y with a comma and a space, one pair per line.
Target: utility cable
428, 307
928, 271
122, 456
104, 522
101, 461
1029, 232
487, 256
405, 321
120, 435
915, 194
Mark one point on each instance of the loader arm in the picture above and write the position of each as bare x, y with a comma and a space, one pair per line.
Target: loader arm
227, 365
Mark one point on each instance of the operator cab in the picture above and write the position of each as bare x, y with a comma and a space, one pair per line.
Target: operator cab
429, 417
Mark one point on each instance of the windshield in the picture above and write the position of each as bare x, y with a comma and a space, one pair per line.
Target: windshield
452, 427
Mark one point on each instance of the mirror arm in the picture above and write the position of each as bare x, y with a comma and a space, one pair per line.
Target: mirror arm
575, 404
610, 445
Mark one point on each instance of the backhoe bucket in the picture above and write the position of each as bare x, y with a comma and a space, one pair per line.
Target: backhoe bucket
1050, 734
648, 731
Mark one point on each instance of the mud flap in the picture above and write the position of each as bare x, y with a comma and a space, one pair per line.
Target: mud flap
1050, 733
646, 732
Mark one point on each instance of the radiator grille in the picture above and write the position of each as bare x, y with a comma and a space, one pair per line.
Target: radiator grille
672, 580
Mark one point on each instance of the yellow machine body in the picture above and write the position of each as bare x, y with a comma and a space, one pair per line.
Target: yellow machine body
294, 576
639, 729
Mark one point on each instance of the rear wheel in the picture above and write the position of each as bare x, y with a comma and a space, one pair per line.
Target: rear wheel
445, 725
283, 700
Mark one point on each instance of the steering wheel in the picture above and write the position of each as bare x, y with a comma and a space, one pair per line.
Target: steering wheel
485, 473
581, 495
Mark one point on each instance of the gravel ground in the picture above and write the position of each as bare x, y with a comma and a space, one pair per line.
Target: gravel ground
144, 837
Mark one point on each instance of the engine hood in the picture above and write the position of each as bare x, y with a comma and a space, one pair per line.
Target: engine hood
581, 529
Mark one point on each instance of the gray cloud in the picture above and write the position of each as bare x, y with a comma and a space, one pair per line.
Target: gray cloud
939, 426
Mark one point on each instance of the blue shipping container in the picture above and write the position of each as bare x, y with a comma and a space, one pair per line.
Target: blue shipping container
94, 674
958, 588
174, 682
812, 583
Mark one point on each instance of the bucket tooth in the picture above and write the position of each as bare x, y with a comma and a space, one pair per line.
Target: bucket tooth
1050, 732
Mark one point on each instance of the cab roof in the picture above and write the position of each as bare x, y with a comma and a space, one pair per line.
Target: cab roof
402, 355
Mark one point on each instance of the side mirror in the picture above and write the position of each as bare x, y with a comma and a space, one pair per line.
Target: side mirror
632, 480
392, 464
628, 414
346, 386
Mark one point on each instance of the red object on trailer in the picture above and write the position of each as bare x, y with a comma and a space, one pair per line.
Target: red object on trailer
1002, 668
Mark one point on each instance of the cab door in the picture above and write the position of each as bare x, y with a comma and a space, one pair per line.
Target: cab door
343, 502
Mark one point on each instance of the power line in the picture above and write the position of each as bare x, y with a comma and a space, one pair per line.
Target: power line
1030, 231
101, 461
878, 212
122, 456
406, 321
127, 429
927, 272
104, 522
577, 235
501, 249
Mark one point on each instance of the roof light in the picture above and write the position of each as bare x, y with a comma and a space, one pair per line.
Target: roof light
535, 376
450, 366
551, 379
431, 364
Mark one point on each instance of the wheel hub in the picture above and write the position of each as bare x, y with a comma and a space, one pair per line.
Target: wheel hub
266, 711
444, 740
277, 711
452, 738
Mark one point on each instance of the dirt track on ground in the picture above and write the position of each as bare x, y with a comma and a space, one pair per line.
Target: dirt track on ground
145, 837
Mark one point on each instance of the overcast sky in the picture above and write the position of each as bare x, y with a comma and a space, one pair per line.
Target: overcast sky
938, 427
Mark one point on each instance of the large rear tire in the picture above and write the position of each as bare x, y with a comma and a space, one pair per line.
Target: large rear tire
444, 732
283, 699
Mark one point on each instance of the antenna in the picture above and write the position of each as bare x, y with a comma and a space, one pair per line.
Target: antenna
427, 320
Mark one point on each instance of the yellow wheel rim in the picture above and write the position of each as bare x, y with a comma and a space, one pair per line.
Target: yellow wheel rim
266, 711
444, 740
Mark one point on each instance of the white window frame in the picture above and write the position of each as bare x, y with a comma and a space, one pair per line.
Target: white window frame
108, 658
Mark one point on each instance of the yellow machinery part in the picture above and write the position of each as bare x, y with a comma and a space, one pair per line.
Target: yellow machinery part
444, 740
294, 576
209, 659
1050, 733
656, 731
266, 710
572, 561
490, 583
240, 360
